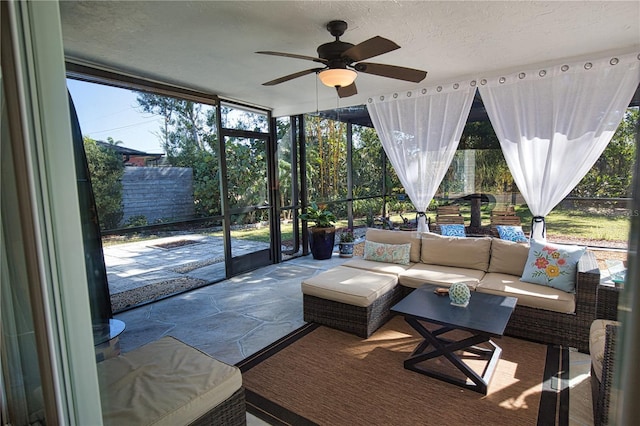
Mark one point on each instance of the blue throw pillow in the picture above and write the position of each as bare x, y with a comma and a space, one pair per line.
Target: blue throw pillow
512, 233
553, 265
452, 230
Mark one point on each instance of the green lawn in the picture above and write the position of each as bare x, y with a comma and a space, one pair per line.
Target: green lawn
604, 225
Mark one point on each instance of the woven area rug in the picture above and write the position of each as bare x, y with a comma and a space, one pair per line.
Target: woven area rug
318, 375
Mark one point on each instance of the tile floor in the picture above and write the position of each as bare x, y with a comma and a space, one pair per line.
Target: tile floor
234, 318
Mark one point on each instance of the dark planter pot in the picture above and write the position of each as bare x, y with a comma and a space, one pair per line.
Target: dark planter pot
321, 242
346, 249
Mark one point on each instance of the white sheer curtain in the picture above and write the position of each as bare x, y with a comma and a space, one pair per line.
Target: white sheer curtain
553, 124
420, 133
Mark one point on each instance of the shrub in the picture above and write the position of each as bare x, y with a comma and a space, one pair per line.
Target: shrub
106, 170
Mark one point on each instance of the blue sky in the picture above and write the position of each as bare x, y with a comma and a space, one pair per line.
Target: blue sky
105, 111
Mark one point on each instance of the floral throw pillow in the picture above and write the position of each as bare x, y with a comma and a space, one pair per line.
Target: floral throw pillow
390, 253
553, 265
512, 233
452, 230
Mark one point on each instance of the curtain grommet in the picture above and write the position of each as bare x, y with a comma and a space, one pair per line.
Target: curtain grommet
614, 61
542, 73
588, 66
565, 68
522, 75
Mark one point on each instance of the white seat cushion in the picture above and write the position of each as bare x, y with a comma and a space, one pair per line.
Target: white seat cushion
352, 286
165, 382
444, 276
528, 294
380, 267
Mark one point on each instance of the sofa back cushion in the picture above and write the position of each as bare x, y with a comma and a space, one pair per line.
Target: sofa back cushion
471, 253
508, 257
397, 237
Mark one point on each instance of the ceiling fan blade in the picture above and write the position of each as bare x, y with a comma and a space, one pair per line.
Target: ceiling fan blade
346, 91
291, 76
391, 71
293, 55
369, 48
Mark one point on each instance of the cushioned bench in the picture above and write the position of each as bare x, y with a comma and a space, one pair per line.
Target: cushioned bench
350, 299
168, 382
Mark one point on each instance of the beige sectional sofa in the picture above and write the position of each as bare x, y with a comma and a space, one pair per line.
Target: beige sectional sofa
487, 265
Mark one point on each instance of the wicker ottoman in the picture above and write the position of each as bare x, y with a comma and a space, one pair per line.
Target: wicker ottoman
168, 382
350, 299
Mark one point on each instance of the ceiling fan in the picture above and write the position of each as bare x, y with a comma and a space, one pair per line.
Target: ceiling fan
341, 60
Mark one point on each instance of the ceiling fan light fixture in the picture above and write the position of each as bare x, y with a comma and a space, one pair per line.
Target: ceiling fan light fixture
337, 77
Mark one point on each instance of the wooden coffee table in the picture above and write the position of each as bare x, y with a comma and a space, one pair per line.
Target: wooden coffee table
485, 317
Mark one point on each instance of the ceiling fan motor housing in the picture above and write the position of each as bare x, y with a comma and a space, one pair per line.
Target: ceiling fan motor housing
332, 52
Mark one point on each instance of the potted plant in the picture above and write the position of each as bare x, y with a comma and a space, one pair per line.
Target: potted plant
322, 234
346, 242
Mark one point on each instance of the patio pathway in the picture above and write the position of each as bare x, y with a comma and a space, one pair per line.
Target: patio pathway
140, 263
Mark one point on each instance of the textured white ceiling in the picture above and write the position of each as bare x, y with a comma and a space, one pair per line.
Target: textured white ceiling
210, 45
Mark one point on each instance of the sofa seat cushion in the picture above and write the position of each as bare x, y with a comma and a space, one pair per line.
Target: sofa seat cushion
352, 286
165, 382
468, 253
597, 338
381, 267
384, 236
421, 273
528, 294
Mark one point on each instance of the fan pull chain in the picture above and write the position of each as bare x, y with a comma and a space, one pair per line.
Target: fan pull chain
317, 111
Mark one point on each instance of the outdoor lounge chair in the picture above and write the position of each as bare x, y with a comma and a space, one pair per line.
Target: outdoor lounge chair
602, 346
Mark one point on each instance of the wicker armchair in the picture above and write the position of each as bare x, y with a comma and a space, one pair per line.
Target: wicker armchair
557, 328
601, 390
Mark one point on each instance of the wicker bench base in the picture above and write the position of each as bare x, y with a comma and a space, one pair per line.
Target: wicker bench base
358, 320
231, 411
538, 325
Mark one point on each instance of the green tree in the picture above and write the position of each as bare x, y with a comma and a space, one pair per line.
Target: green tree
247, 175
326, 159
479, 135
106, 169
612, 175
367, 162
189, 139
